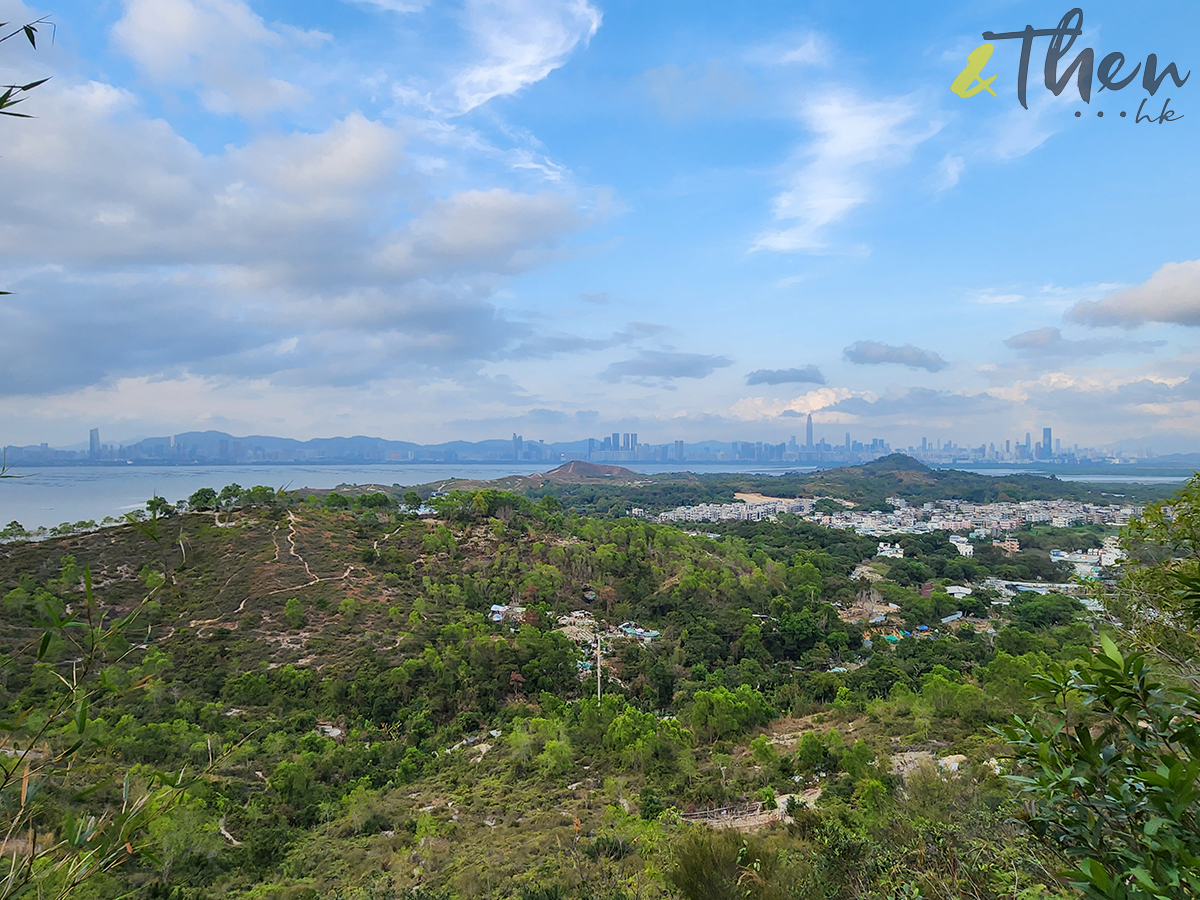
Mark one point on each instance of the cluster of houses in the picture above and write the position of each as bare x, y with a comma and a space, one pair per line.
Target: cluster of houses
733, 512
985, 520
1088, 563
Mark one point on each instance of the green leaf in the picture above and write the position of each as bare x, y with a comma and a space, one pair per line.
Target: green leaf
87, 792
81, 716
44, 645
1143, 878
1154, 824
1110, 650
1094, 872
70, 751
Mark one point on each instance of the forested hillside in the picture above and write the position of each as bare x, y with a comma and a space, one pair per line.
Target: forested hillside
612, 493
357, 701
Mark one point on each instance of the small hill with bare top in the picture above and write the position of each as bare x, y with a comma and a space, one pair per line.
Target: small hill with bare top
579, 472
575, 472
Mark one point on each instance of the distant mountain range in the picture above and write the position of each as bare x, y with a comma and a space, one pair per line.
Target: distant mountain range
1174, 451
220, 446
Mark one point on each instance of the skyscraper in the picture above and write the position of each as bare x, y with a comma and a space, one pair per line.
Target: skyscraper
847, 440
633, 440
679, 451
616, 441
1047, 444
94, 444
808, 438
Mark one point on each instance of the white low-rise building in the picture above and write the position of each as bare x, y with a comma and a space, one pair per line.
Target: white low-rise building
962, 545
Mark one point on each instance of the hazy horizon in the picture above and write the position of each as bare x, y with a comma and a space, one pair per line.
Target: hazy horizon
1167, 443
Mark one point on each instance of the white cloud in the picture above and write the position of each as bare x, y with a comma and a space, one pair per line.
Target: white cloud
92, 157
520, 42
498, 229
329, 173
171, 262
662, 366
1010, 133
990, 298
811, 51
396, 6
1171, 295
1019, 131
1049, 342
949, 171
750, 409
797, 374
217, 48
921, 405
873, 353
855, 139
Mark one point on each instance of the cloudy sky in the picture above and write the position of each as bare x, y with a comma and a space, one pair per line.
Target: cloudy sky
427, 220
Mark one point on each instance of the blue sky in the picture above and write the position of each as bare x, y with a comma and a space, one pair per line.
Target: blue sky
567, 217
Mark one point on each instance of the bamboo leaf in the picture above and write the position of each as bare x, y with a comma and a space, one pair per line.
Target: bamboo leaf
71, 750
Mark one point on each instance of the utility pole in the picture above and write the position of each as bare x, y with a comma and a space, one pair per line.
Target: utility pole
597, 665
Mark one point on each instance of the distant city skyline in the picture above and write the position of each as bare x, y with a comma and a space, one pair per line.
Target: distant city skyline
616, 447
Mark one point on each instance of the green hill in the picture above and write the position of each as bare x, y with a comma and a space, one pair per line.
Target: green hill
868, 485
367, 725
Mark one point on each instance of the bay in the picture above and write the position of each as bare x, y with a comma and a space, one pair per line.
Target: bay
51, 496
1082, 478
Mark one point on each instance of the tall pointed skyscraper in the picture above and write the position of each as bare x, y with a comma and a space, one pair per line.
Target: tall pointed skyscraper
808, 442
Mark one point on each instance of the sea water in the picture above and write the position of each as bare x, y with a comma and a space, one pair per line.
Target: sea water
50, 496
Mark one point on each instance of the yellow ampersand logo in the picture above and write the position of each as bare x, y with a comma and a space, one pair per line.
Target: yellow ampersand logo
970, 81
